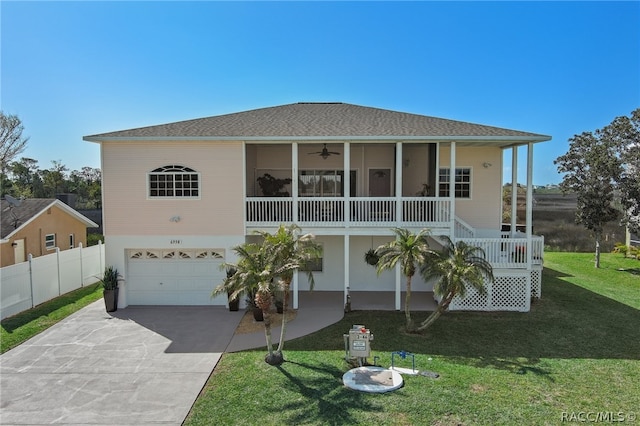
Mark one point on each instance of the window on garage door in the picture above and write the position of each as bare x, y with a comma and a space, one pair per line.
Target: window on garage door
147, 254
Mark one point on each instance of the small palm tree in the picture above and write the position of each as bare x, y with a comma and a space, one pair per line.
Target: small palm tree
410, 251
254, 276
455, 267
291, 252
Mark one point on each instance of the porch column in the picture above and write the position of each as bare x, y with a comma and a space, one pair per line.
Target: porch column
346, 268
514, 190
529, 202
398, 193
244, 186
452, 189
346, 184
398, 272
294, 182
294, 208
294, 285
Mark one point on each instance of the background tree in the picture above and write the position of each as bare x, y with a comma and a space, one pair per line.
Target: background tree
624, 132
600, 166
55, 179
12, 143
592, 167
454, 267
26, 179
85, 183
410, 251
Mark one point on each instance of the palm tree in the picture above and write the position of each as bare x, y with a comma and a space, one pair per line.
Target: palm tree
254, 276
410, 251
455, 267
291, 252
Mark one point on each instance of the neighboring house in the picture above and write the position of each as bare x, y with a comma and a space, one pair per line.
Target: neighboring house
37, 226
178, 197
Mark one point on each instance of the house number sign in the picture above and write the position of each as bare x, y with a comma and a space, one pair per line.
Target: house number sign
176, 242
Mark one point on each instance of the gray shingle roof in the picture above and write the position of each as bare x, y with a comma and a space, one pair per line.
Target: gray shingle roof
317, 120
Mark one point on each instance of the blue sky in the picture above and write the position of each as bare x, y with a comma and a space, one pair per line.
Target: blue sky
71, 69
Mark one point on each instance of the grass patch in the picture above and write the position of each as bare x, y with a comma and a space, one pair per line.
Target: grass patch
578, 350
25, 325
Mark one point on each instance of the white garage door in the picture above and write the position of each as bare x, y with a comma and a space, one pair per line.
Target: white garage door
174, 276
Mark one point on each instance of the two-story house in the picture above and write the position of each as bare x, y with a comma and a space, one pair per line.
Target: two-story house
177, 197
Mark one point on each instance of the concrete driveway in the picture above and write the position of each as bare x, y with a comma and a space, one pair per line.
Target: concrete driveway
136, 366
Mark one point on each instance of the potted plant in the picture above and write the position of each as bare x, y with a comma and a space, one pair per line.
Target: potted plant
279, 301
371, 257
109, 281
255, 309
234, 304
272, 186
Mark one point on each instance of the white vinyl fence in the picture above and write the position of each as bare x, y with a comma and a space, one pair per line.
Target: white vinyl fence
28, 284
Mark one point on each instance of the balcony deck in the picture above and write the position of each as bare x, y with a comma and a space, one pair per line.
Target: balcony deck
356, 212
504, 251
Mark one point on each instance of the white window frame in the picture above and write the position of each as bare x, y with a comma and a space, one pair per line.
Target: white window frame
172, 171
50, 241
318, 190
460, 186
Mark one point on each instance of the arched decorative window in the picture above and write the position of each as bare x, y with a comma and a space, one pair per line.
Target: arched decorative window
174, 182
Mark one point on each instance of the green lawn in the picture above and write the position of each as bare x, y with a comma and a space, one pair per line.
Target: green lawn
23, 326
577, 351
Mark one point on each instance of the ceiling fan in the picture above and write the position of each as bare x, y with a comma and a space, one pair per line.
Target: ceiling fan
325, 152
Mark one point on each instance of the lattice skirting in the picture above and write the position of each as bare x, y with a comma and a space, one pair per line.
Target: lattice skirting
510, 291
536, 282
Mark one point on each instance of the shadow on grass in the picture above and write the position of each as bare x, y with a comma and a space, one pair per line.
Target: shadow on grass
568, 322
516, 366
324, 401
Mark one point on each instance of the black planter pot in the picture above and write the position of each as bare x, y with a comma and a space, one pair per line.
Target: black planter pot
234, 305
257, 314
111, 300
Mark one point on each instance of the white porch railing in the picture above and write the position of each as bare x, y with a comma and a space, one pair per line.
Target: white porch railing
373, 211
269, 210
321, 211
509, 253
362, 211
419, 211
462, 229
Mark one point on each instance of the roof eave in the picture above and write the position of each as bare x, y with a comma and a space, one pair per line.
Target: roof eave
515, 139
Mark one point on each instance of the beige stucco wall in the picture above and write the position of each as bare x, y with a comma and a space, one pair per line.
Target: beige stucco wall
52, 221
484, 209
128, 210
